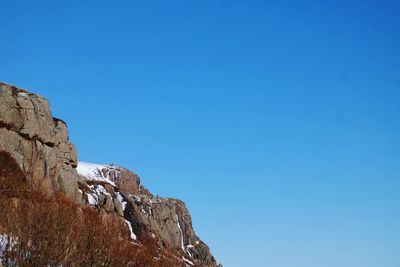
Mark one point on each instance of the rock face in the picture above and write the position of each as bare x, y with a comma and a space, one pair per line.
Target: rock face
35, 149
164, 218
37, 141
170, 220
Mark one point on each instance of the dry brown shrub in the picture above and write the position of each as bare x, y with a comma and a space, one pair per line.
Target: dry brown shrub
54, 231
43, 230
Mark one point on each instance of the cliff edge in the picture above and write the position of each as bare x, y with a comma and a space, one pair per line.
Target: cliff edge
37, 147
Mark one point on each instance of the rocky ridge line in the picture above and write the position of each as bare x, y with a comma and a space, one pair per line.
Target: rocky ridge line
40, 146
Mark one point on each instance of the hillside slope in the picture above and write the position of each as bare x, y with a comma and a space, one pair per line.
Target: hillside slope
37, 147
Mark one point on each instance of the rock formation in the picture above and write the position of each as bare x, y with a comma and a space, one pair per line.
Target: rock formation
37, 141
38, 147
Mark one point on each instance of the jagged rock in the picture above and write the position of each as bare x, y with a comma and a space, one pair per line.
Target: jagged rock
118, 207
167, 218
170, 220
73, 155
128, 182
109, 203
35, 150
37, 142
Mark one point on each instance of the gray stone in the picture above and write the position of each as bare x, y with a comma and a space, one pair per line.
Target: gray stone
38, 142
39, 149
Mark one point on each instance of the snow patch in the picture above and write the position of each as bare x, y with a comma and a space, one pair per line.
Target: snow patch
94, 172
180, 229
187, 261
133, 236
99, 190
23, 94
96, 192
7, 242
3, 244
121, 200
137, 198
92, 201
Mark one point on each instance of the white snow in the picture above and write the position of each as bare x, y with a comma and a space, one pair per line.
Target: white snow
91, 199
99, 190
94, 171
187, 261
121, 200
7, 242
180, 229
23, 94
188, 252
3, 243
133, 236
187, 249
137, 198
96, 192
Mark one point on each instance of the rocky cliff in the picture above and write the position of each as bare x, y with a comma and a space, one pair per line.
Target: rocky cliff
38, 146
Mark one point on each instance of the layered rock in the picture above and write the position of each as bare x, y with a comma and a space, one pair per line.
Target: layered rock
36, 141
35, 150
167, 219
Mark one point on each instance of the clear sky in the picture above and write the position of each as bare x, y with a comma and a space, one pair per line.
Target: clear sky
277, 122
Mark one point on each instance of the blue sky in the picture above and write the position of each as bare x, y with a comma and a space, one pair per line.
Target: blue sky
277, 122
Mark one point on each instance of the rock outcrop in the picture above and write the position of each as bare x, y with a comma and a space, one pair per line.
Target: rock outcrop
36, 141
167, 219
35, 150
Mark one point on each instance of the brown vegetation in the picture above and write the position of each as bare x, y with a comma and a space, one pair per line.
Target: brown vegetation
10, 168
53, 231
42, 230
